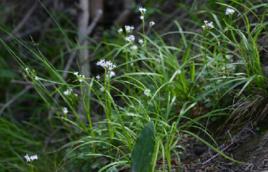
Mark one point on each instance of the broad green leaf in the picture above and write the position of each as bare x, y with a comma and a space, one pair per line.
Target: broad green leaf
143, 152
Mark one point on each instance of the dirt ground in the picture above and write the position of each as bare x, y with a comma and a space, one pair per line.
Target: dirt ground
249, 146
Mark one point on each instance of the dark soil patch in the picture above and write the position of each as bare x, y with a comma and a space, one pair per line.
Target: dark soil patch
249, 145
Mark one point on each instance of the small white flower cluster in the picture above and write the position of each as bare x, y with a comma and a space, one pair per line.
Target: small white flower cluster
102, 89
208, 25
80, 77
178, 71
134, 47
120, 30
65, 110
128, 29
111, 74
151, 23
31, 73
147, 92
37, 78
229, 11
142, 11
27, 69
108, 65
68, 92
130, 38
30, 158
140, 41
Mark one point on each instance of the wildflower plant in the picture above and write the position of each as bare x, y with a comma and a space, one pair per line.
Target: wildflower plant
150, 86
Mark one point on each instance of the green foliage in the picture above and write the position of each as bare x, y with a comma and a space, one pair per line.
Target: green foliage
14, 144
143, 153
159, 92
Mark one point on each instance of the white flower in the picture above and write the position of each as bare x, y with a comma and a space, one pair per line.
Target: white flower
36, 78
111, 74
134, 47
27, 158
98, 77
30, 158
101, 63
68, 92
142, 17
229, 11
147, 92
81, 78
101, 89
151, 23
106, 64
120, 30
129, 28
130, 38
65, 110
142, 10
178, 71
208, 25
140, 41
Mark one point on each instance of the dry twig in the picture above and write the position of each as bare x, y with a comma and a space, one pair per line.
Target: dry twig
128, 4
23, 21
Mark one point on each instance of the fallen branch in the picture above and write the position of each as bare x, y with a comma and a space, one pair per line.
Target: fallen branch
14, 98
18, 95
